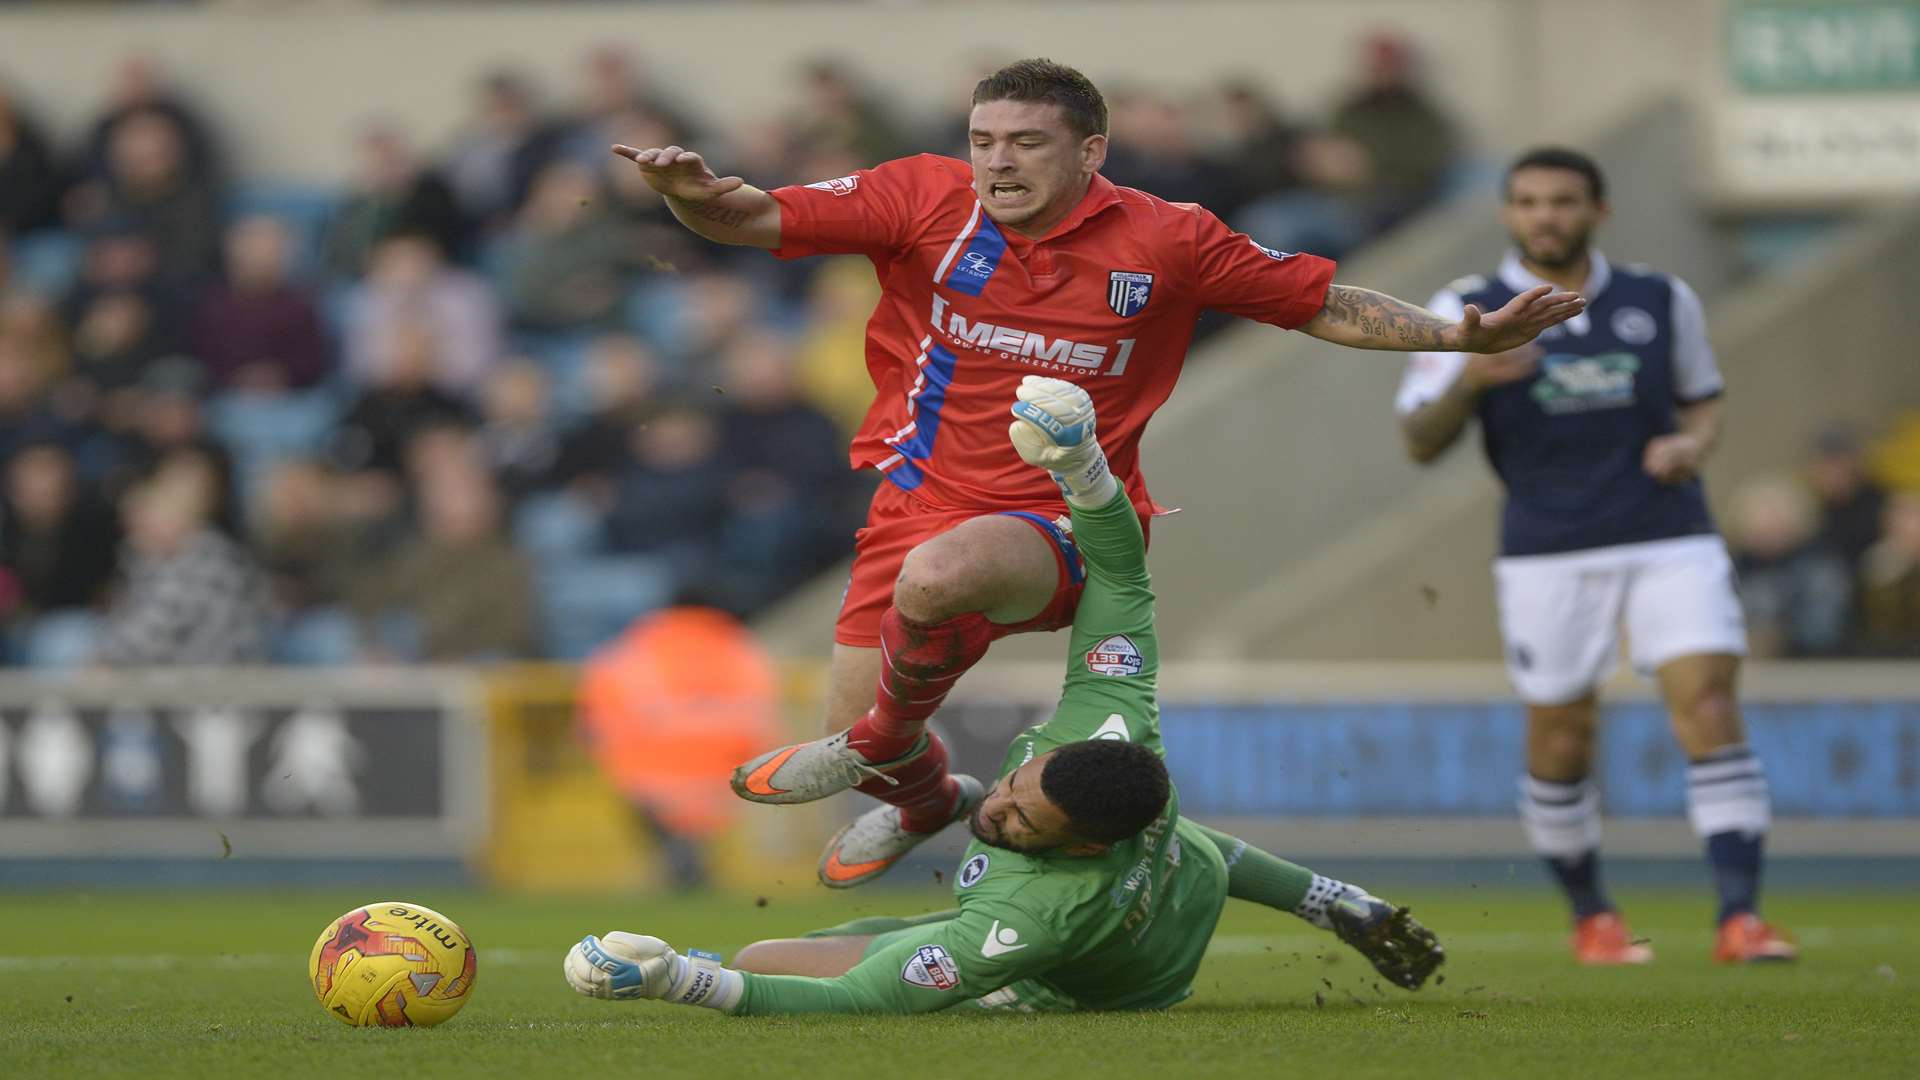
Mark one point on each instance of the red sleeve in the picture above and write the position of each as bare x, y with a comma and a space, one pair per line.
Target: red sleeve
1239, 277
869, 213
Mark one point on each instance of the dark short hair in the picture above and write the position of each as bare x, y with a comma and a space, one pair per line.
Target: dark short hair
1108, 789
1558, 157
1043, 81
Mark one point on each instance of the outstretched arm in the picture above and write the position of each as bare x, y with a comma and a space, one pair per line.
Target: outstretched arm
1364, 319
725, 210
947, 962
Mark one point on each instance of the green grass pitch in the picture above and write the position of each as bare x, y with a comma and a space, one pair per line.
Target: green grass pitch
208, 985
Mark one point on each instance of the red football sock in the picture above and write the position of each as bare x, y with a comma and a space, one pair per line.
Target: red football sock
922, 789
919, 663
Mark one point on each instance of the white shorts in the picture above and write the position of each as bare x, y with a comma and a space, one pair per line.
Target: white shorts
1561, 615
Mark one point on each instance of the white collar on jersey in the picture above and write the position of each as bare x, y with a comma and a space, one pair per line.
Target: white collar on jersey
1514, 274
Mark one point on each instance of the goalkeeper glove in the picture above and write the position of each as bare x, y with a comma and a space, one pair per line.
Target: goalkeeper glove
621, 966
1053, 430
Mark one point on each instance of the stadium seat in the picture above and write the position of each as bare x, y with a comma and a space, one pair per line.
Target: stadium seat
262, 430
47, 261
320, 636
556, 526
305, 209
587, 602
61, 639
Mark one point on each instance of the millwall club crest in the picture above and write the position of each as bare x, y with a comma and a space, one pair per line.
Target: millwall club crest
1127, 292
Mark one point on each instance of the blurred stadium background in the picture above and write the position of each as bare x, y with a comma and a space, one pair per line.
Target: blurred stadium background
368, 431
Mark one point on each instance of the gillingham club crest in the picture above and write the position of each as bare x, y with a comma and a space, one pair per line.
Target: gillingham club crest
1127, 292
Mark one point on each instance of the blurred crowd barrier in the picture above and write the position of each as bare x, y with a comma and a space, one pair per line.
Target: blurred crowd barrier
264, 775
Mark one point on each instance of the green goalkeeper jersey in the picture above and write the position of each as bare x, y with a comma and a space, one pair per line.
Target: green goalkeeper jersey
1123, 930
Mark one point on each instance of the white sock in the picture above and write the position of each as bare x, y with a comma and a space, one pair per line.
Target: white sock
1562, 821
1320, 895
1727, 792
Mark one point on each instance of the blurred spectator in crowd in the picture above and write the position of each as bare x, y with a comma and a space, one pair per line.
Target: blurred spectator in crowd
835, 110
192, 596
672, 502
613, 96
1798, 594
150, 181
660, 243
309, 549
493, 162
622, 374
1890, 582
1153, 150
25, 418
1850, 502
791, 503
567, 263
833, 350
58, 538
668, 710
169, 431
123, 317
404, 398
708, 309
33, 324
467, 593
392, 191
1408, 142
411, 285
29, 175
256, 330
1261, 153
516, 438
140, 91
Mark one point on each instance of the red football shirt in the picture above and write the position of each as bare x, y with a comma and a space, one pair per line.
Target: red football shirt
1108, 300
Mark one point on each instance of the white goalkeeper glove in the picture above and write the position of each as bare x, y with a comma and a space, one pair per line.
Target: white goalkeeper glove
621, 966
1053, 430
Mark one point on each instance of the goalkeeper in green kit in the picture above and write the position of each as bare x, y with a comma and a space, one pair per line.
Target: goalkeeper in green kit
1084, 888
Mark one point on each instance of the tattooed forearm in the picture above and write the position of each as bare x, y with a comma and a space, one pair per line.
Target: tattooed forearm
707, 211
1370, 320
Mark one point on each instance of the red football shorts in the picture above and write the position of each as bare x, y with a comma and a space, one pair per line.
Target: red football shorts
897, 522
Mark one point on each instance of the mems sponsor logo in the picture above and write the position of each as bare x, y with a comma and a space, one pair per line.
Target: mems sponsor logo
1029, 347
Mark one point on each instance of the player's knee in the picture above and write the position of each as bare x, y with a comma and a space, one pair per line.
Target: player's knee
1562, 757
1712, 720
935, 583
1559, 748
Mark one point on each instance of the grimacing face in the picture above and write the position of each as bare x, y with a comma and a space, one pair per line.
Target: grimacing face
1551, 214
1018, 816
1029, 168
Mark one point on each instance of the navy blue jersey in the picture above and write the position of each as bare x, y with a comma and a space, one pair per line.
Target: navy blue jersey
1568, 443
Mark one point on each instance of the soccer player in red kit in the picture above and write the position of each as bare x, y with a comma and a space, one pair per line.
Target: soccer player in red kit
1024, 261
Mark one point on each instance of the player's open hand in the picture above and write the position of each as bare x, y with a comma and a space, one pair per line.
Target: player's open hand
1519, 322
678, 173
1672, 459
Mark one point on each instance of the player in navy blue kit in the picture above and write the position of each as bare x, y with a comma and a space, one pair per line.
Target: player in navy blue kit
1598, 431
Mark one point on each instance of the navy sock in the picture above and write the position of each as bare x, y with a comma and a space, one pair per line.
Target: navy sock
1735, 857
1579, 877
